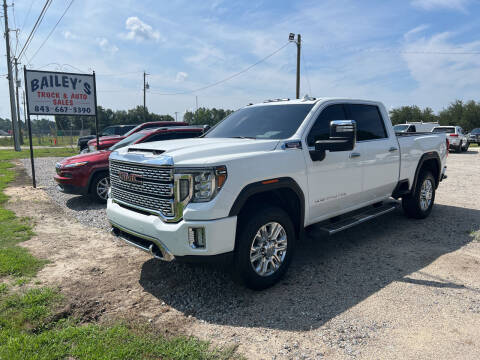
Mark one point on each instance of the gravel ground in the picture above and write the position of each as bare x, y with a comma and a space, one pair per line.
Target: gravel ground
85, 210
390, 288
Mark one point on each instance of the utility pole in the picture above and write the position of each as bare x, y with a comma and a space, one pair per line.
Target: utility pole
196, 112
10, 82
299, 46
145, 87
17, 82
176, 112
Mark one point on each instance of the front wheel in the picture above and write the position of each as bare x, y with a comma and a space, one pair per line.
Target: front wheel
419, 204
465, 148
266, 240
100, 187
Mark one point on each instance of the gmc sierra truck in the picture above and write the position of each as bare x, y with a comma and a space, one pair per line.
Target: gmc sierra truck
247, 189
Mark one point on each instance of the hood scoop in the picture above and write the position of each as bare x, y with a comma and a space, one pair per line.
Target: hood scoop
146, 151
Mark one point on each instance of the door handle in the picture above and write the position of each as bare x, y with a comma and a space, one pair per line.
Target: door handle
354, 155
392, 149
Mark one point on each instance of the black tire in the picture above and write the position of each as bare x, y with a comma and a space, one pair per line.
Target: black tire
97, 182
248, 227
465, 148
412, 204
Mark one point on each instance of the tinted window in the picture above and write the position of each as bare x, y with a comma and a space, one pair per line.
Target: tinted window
108, 131
448, 130
127, 141
121, 130
369, 123
321, 128
475, 131
262, 122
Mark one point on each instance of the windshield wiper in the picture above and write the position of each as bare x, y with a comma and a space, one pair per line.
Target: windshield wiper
243, 137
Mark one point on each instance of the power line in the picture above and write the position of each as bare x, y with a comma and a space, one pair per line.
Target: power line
53, 29
35, 27
26, 16
227, 78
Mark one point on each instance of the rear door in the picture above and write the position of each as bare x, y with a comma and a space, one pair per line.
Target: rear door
378, 152
334, 183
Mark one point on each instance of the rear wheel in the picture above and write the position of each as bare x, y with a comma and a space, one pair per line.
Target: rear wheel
266, 240
100, 186
419, 204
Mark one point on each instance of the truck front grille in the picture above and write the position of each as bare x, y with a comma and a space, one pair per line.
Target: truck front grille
148, 188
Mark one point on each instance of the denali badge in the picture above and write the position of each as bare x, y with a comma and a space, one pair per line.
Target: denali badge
130, 177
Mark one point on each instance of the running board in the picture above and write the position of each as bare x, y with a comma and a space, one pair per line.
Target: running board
373, 212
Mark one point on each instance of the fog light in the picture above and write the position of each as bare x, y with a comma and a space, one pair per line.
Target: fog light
196, 237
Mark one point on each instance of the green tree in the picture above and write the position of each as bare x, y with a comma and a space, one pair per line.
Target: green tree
204, 116
412, 113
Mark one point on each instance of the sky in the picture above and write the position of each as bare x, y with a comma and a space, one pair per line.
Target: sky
401, 52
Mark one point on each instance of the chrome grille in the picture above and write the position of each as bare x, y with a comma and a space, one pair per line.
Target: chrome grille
153, 192
147, 172
147, 187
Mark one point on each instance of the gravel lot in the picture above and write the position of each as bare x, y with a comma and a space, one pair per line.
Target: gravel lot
390, 288
82, 208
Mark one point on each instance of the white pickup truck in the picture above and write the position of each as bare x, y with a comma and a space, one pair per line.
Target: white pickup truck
247, 189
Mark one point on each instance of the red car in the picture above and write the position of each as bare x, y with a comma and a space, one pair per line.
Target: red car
106, 142
87, 174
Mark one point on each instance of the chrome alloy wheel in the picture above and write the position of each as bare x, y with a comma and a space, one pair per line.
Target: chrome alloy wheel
426, 194
102, 188
269, 248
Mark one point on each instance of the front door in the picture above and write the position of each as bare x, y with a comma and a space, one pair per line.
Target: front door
334, 183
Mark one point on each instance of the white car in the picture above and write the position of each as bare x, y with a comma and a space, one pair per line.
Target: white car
457, 139
246, 190
415, 127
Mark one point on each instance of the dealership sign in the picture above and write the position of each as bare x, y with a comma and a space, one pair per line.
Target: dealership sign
58, 93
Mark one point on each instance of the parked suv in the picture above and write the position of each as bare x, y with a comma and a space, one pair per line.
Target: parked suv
246, 190
118, 130
107, 141
474, 136
457, 139
88, 173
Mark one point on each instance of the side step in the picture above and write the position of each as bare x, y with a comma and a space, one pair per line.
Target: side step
358, 218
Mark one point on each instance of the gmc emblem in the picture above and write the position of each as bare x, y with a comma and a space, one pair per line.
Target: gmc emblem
128, 177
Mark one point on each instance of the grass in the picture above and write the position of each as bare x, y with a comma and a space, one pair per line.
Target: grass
42, 140
33, 324
25, 153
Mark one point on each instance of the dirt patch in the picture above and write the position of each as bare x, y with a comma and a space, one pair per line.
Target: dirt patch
392, 288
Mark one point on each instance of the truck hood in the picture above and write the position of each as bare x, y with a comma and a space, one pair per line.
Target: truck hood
197, 151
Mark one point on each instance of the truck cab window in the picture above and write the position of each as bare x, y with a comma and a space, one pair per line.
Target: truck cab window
321, 129
370, 125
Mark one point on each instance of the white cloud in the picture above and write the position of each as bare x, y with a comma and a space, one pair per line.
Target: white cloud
138, 30
69, 35
181, 76
437, 4
106, 46
415, 31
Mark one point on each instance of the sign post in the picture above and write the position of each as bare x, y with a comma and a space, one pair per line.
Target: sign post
59, 93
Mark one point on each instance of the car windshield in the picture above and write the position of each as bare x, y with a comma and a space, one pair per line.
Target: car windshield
400, 128
475, 131
262, 122
448, 130
128, 140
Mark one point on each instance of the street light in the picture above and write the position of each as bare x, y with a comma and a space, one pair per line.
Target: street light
291, 37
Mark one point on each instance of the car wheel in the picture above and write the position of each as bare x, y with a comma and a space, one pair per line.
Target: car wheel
465, 148
419, 204
100, 187
265, 244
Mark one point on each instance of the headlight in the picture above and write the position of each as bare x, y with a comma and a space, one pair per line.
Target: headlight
200, 185
74, 165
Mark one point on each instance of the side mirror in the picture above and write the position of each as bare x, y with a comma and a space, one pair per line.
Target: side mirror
343, 134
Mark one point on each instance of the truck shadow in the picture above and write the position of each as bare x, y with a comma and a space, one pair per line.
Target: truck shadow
328, 276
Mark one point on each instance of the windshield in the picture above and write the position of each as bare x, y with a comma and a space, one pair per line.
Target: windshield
128, 140
262, 122
448, 130
400, 128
